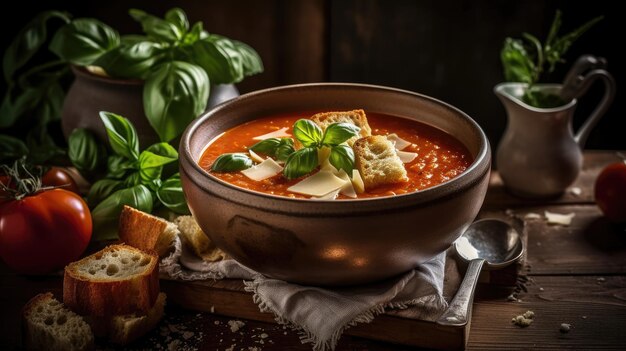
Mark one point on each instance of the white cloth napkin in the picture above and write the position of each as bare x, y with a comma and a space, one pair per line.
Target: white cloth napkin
321, 314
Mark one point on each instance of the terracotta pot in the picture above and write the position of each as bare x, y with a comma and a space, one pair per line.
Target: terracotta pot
90, 94
333, 242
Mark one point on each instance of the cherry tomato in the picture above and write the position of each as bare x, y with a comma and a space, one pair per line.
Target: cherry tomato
44, 232
610, 192
57, 177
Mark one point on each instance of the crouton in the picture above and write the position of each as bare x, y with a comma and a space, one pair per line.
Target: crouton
377, 161
356, 117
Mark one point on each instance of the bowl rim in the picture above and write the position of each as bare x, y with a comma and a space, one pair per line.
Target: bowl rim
466, 179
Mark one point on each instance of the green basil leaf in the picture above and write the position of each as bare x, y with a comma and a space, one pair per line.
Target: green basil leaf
307, 132
177, 17
155, 27
151, 162
219, 58
132, 60
119, 166
559, 46
42, 148
174, 95
134, 178
252, 63
194, 34
11, 148
122, 135
267, 146
172, 196
301, 162
83, 40
284, 149
130, 39
232, 162
338, 133
28, 41
102, 189
517, 63
86, 152
342, 157
106, 215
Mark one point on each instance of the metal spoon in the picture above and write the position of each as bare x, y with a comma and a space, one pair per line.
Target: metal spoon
490, 241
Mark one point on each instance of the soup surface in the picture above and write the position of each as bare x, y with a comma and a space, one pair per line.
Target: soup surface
440, 157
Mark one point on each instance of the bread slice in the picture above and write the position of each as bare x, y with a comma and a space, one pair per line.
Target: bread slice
48, 325
197, 240
377, 161
124, 329
119, 279
356, 117
146, 232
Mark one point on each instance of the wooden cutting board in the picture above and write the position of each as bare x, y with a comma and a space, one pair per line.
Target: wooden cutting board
228, 297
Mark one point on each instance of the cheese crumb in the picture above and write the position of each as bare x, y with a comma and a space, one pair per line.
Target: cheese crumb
559, 218
576, 191
524, 320
532, 215
565, 328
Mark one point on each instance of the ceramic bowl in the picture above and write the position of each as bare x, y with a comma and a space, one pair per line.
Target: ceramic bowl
333, 242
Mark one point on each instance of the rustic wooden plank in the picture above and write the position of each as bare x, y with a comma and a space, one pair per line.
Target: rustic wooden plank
590, 245
594, 161
596, 309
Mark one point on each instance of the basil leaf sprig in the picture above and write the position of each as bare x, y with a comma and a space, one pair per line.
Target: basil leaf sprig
133, 177
177, 60
311, 136
525, 60
303, 161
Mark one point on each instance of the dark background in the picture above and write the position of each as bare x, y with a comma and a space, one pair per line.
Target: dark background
446, 49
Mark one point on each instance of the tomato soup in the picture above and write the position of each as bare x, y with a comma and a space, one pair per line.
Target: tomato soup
440, 157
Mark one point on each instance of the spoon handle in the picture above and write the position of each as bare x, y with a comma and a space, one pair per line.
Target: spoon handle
459, 309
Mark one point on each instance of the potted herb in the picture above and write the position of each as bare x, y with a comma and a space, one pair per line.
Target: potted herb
539, 155
166, 74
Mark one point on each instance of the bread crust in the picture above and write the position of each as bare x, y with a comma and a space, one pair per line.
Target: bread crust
356, 117
144, 231
377, 161
87, 295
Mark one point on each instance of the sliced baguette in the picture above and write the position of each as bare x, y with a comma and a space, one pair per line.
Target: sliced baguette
146, 232
48, 325
119, 279
356, 117
377, 161
194, 238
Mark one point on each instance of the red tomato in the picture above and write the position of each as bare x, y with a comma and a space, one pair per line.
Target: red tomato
58, 177
44, 232
610, 191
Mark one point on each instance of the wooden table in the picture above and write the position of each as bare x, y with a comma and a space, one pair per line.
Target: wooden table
574, 274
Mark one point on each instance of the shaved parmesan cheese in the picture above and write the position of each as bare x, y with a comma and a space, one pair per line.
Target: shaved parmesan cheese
266, 169
347, 189
281, 133
559, 218
400, 143
319, 184
330, 196
357, 181
255, 157
406, 157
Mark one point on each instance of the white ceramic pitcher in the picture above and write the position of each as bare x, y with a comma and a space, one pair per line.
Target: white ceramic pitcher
539, 154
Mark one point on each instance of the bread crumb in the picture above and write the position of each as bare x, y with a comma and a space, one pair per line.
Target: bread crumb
231, 348
174, 345
601, 280
565, 328
263, 336
512, 298
212, 309
235, 325
541, 289
524, 320
584, 317
187, 335
216, 322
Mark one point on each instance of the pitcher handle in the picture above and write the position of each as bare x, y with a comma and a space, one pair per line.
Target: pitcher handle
607, 99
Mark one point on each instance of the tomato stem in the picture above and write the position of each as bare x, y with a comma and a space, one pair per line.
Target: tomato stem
24, 180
